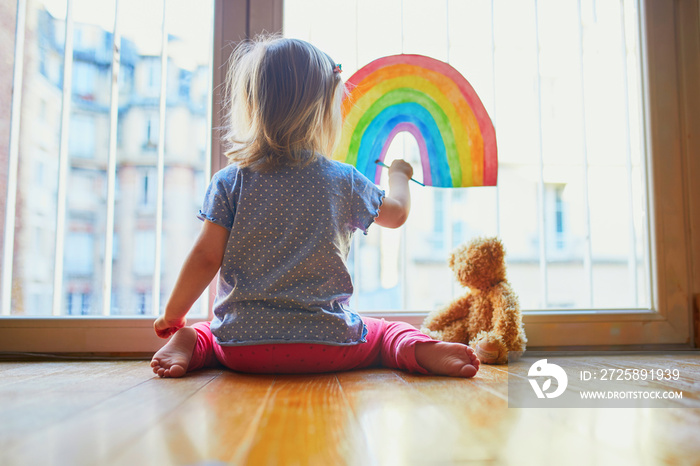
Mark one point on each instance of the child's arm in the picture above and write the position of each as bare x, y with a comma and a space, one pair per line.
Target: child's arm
396, 206
199, 269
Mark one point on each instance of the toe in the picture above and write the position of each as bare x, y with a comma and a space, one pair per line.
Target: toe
176, 371
468, 371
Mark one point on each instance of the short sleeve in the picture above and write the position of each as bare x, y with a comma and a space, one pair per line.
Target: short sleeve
366, 200
219, 204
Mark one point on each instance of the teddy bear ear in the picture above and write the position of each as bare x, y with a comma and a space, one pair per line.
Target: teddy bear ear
499, 250
455, 255
451, 259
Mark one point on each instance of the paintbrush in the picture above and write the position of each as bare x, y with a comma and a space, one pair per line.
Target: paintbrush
382, 164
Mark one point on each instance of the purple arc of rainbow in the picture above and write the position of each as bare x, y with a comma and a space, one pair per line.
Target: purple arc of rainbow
422, 150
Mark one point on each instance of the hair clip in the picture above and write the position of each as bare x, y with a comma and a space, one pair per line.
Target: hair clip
338, 68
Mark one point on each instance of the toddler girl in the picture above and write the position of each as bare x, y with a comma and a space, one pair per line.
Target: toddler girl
278, 224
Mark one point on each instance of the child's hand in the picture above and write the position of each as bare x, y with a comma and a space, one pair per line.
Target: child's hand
166, 327
401, 166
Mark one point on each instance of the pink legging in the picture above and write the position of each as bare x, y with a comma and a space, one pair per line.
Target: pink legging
389, 344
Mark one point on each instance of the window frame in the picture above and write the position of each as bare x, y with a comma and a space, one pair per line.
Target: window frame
671, 63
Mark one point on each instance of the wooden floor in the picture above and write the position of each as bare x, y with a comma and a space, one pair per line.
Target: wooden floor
104, 413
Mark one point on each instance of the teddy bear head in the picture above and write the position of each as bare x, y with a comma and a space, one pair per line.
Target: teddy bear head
479, 264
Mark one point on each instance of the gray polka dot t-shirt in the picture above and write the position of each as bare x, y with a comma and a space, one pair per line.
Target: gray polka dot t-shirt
283, 278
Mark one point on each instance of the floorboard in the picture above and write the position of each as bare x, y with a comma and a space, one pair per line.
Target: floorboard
219, 423
118, 413
41, 395
94, 426
313, 417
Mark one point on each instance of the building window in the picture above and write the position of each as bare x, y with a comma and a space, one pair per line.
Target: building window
557, 217
150, 77
143, 303
144, 245
80, 257
85, 76
152, 127
148, 189
78, 304
82, 139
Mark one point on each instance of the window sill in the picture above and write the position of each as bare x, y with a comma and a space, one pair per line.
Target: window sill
118, 335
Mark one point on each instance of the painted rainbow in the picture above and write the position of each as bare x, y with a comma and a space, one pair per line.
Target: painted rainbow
432, 101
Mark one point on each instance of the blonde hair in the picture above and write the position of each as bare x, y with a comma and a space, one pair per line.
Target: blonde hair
284, 101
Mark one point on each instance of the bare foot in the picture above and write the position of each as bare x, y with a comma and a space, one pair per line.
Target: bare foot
442, 358
173, 358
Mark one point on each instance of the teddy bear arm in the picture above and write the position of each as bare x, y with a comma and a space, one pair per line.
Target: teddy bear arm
508, 319
456, 310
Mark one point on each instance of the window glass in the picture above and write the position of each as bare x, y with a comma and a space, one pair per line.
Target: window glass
67, 207
561, 81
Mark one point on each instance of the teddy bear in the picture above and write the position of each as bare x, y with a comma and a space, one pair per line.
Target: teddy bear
488, 316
